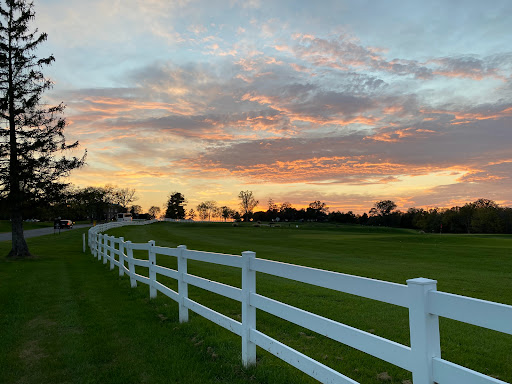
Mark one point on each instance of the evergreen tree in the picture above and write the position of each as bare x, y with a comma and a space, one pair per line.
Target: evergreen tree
176, 206
31, 133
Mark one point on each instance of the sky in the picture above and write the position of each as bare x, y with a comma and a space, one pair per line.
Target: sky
346, 102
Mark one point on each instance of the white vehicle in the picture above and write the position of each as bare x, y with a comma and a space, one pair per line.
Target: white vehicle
124, 217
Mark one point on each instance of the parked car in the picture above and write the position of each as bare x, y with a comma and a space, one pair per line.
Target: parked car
63, 224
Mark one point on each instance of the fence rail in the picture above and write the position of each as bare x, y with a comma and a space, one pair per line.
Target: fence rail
424, 302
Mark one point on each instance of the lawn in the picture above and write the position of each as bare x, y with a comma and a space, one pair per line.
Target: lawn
66, 318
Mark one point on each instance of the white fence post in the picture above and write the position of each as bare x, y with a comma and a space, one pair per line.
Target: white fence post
98, 246
121, 256
248, 311
152, 273
424, 329
182, 285
131, 266
93, 238
112, 255
104, 252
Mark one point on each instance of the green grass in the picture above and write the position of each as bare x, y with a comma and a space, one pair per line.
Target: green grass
65, 317
5, 225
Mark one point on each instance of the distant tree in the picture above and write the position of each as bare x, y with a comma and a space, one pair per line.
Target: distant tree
32, 139
124, 196
284, 206
202, 211
236, 216
272, 210
207, 210
176, 206
247, 203
191, 214
383, 208
154, 212
226, 213
486, 217
316, 210
136, 210
340, 217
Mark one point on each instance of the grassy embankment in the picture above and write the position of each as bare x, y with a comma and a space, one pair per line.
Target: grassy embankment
66, 318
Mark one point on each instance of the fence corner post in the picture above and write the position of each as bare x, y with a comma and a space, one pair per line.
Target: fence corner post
182, 285
131, 266
248, 311
121, 256
152, 273
424, 330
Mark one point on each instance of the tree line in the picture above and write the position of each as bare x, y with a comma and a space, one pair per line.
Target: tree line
480, 216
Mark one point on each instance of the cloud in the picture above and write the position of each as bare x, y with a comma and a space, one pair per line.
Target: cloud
344, 52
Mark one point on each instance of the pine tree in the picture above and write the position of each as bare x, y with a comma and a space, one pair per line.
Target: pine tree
31, 133
176, 206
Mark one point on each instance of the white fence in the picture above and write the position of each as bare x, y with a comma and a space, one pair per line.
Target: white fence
424, 302
196, 221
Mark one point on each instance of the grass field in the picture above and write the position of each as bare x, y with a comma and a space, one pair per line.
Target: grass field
66, 318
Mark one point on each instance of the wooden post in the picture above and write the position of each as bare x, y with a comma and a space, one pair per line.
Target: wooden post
131, 266
121, 256
248, 311
83, 241
182, 285
152, 273
424, 329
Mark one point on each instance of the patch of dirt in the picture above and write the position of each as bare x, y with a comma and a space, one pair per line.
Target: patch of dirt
32, 352
384, 376
40, 322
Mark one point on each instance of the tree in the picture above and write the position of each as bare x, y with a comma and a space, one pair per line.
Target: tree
154, 212
136, 210
191, 214
226, 212
383, 208
317, 210
247, 203
176, 206
202, 211
32, 142
207, 210
124, 196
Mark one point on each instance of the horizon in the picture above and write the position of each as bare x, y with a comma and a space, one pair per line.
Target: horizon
294, 101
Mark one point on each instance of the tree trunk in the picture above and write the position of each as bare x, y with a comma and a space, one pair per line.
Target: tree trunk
19, 245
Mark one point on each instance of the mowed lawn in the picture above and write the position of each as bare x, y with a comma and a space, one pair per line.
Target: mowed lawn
65, 317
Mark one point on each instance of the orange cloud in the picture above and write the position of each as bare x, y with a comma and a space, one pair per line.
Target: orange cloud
400, 134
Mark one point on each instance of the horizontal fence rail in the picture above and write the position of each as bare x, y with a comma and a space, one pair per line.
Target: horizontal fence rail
419, 296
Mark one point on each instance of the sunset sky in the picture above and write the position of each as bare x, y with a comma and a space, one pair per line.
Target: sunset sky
347, 102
